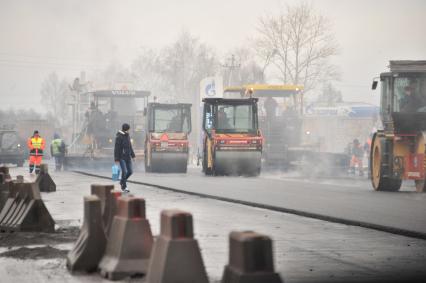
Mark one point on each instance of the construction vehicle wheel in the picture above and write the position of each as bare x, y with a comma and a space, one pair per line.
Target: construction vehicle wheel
207, 171
183, 168
381, 183
147, 168
420, 186
421, 148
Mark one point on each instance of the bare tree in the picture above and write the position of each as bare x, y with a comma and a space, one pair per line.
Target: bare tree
11, 116
185, 63
299, 43
245, 70
113, 74
53, 95
146, 72
329, 95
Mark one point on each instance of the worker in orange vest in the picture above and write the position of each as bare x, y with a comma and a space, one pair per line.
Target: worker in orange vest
356, 159
36, 146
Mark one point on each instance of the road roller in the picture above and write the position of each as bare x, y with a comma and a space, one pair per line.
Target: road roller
398, 150
166, 142
232, 141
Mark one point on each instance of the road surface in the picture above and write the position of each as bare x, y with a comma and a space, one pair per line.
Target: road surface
305, 249
348, 201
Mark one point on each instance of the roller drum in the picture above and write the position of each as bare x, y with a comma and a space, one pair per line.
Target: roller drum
237, 162
169, 162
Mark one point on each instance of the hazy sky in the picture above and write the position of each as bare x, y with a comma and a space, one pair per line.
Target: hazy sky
39, 37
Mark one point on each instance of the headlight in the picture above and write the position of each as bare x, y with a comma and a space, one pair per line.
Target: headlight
19, 145
131, 140
222, 141
254, 141
110, 140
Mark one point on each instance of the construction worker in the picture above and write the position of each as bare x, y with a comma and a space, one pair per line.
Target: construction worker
367, 150
222, 120
57, 150
36, 146
357, 155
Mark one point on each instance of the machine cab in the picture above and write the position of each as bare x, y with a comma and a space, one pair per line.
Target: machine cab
232, 141
403, 97
230, 116
169, 118
166, 142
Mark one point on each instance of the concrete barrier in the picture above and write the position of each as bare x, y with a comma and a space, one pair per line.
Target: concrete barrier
4, 190
25, 211
5, 171
176, 256
19, 179
104, 194
113, 206
44, 180
130, 241
91, 242
250, 259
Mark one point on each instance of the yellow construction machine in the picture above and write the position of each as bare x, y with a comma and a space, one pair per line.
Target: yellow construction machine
166, 142
232, 142
398, 151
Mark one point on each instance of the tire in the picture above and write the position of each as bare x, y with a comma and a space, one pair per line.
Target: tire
421, 148
147, 168
207, 171
183, 169
379, 182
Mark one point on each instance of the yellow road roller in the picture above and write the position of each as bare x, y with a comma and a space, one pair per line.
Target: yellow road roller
398, 150
166, 142
232, 143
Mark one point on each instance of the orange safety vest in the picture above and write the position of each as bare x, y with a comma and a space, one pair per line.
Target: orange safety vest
36, 146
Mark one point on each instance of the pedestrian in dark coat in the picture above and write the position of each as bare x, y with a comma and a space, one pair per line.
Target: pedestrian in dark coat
123, 155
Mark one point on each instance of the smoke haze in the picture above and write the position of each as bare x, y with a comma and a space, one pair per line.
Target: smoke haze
40, 37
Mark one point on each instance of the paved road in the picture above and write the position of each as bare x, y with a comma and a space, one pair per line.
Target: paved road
350, 201
305, 250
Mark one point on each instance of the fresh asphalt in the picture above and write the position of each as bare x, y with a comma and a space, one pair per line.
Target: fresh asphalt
305, 249
349, 200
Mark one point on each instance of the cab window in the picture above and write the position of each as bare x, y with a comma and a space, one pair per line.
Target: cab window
208, 117
409, 94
